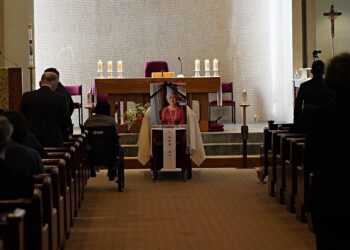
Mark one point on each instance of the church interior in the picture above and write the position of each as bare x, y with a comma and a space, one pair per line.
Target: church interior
231, 173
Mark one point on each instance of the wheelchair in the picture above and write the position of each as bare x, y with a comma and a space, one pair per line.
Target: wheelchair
104, 150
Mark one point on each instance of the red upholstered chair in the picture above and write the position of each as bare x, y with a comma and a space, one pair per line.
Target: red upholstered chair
155, 66
227, 88
77, 90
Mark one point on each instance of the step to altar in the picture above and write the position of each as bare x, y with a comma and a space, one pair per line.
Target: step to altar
226, 143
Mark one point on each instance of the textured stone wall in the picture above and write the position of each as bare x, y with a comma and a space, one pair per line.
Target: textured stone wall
251, 40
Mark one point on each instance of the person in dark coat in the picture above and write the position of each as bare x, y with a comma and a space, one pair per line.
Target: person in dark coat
327, 150
101, 118
47, 112
61, 89
312, 92
22, 133
13, 184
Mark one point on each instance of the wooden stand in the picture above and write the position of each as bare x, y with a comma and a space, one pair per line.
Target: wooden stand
244, 132
31, 75
11, 88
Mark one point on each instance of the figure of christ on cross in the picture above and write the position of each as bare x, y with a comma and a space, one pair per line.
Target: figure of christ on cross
332, 16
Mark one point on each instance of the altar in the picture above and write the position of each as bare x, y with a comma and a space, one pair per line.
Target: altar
138, 91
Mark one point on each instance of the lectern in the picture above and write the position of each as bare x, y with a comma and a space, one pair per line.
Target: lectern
182, 160
10, 88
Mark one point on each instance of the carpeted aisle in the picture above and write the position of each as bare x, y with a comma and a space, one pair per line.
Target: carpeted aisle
217, 209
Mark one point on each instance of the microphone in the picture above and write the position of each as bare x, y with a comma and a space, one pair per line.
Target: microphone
180, 64
8, 59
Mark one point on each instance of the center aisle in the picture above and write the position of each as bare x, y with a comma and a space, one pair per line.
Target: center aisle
217, 209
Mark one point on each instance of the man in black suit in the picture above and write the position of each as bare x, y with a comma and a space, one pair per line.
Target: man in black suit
312, 92
327, 154
13, 183
61, 89
47, 111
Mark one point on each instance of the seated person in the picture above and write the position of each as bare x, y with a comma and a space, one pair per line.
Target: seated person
101, 118
173, 114
22, 134
13, 183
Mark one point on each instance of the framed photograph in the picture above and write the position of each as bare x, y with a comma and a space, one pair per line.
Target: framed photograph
168, 104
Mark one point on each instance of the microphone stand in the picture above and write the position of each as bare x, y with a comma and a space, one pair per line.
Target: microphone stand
181, 75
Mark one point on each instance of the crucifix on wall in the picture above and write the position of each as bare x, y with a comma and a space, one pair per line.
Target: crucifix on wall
332, 16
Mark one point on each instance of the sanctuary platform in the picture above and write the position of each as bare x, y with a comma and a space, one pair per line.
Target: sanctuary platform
223, 149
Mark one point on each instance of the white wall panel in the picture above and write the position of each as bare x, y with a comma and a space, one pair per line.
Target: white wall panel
251, 39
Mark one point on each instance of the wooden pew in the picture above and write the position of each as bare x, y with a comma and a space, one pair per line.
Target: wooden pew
77, 142
272, 161
309, 218
82, 138
66, 184
58, 184
302, 188
36, 232
296, 155
284, 154
264, 151
73, 173
43, 181
12, 229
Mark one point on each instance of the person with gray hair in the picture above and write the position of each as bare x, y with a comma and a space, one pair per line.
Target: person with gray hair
47, 112
173, 113
326, 155
13, 184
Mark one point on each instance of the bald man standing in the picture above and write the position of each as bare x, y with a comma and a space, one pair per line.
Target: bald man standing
47, 111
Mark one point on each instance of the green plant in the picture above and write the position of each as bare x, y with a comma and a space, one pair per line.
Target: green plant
135, 116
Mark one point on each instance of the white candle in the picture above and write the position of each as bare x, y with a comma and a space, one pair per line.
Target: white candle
120, 66
99, 66
109, 66
206, 65
244, 95
215, 65
197, 65
30, 32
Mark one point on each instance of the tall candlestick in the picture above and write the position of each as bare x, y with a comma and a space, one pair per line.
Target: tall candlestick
120, 66
215, 65
206, 65
197, 65
99, 66
30, 42
109, 66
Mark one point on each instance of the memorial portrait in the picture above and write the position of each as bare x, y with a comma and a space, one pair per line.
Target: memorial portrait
168, 104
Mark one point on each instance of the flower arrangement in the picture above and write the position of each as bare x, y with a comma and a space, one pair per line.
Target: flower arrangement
135, 116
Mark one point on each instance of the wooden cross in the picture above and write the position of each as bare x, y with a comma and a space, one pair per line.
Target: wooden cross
332, 16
